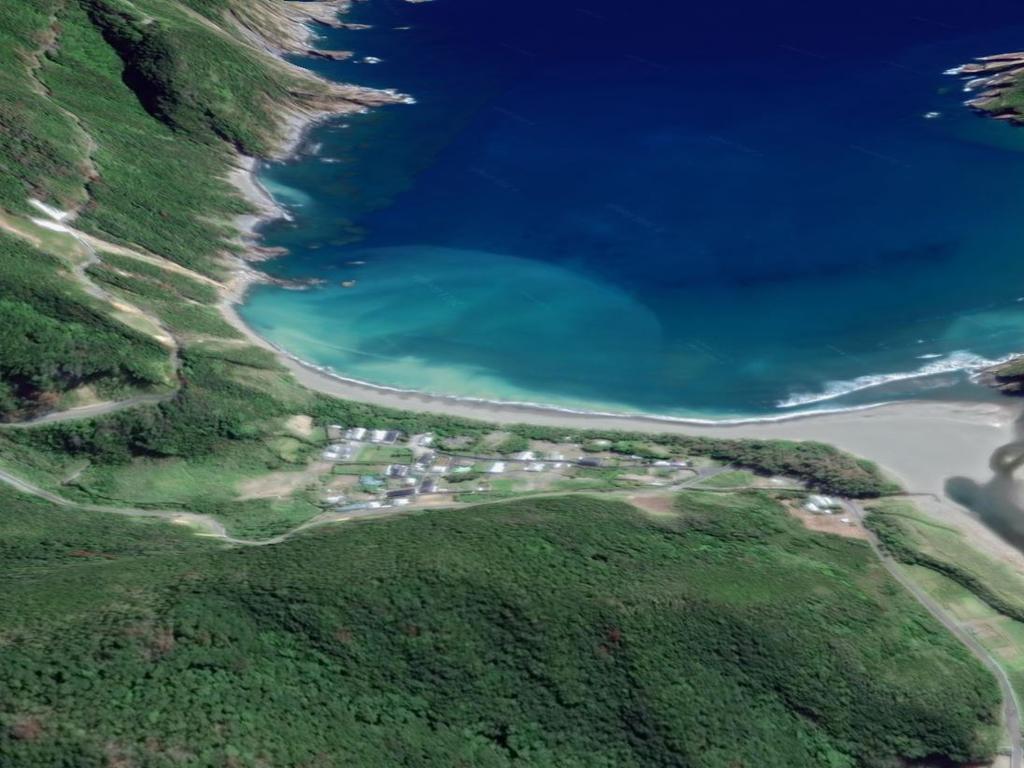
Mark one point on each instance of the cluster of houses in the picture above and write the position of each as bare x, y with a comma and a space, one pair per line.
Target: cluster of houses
364, 435
416, 469
339, 451
420, 477
529, 461
398, 483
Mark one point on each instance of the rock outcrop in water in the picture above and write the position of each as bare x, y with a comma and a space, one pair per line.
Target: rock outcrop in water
1008, 378
1000, 80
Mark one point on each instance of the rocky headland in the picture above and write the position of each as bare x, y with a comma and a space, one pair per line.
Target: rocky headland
999, 83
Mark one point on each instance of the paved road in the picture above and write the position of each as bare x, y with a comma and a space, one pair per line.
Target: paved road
92, 411
1011, 707
207, 525
106, 408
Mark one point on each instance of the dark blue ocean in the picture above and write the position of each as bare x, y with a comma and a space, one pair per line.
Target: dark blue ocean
714, 209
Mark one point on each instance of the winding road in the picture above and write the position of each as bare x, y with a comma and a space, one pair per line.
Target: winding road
210, 527
1011, 707
206, 525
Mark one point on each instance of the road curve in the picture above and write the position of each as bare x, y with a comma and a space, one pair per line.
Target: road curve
206, 525
1011, 707
80, 272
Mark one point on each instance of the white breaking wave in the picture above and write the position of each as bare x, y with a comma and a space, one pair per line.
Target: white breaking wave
960, 360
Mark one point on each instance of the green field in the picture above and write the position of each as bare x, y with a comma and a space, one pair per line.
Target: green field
547, 632
734, 479
1001, 635
983, 593
915, 540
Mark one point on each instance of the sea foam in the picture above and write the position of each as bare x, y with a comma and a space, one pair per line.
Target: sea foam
959, 361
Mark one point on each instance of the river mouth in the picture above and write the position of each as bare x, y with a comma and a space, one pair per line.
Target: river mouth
606, 218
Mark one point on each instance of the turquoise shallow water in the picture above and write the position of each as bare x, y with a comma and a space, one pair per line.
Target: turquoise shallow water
637, 217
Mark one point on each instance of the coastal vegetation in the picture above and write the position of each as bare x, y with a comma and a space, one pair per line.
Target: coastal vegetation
543, 631
914, 540
565, 631
822, 466
58, 339
979, 589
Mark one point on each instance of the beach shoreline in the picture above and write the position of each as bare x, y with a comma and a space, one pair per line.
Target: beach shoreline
922, 444
876, 432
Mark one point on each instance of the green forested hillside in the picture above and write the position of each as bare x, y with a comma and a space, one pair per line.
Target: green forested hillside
127, 115
129, 112
554, 632
558, 632
56, 338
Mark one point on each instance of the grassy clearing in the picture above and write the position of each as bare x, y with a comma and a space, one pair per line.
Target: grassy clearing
57, 338
1002, 636
733, 479
384, 454
914, 540
185, 317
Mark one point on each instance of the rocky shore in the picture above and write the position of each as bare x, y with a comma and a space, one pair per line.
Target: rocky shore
1007, 377
999, 81
285, 27
279, 28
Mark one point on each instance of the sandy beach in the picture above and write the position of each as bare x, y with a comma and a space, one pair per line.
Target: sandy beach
920, 444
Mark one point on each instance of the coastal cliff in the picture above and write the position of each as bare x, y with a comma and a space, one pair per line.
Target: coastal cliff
137, 126
999, 83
